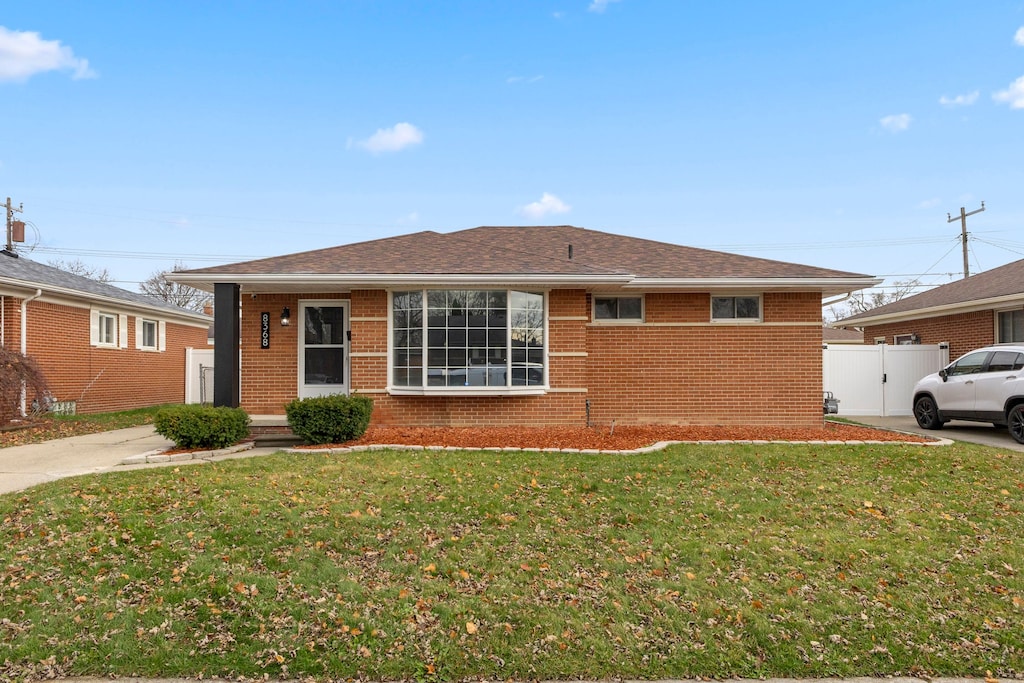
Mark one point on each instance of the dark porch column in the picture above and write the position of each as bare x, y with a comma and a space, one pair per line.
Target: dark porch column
226, 339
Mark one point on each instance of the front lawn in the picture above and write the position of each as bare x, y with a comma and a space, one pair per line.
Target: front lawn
50, 427
714, 561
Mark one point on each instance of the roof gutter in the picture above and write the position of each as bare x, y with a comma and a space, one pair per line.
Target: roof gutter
380, 280
936, 311
121, 303
842, 283
627, 281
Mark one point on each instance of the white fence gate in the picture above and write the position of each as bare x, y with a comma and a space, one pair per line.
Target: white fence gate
878, 379
198, 375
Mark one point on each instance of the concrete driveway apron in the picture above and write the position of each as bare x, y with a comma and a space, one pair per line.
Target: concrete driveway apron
972, 432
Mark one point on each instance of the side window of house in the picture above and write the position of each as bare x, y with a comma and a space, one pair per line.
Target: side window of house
623, 308
108, 329
149, 334
1011, 326
736, 308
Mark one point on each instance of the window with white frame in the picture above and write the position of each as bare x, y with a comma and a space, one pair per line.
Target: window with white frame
1010, 326
147, 334
107, 334
730, 308
618, 308
467, 338
108, 329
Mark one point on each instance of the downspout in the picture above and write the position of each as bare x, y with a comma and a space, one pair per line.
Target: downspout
24, 337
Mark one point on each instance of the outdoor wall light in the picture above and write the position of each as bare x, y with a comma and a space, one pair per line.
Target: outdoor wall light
286, 317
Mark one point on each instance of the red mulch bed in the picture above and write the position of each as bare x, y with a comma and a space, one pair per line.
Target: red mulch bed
623, 438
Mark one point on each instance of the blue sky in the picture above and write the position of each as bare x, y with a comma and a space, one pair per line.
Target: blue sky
837, 134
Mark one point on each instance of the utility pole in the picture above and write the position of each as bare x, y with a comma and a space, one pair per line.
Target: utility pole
963, 232
10, 223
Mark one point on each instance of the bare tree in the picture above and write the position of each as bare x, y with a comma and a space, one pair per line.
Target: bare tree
867, 300
77, 267
20, 376
183, 296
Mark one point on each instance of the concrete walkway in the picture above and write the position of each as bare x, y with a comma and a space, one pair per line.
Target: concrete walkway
37, 463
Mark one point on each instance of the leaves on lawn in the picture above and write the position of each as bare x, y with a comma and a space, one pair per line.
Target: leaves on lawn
713, 561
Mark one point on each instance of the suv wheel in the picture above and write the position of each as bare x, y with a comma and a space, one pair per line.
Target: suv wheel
927, 413
1015, 422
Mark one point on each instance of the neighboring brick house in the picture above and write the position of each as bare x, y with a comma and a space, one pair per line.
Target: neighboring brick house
101, 346
526, 326
987, 308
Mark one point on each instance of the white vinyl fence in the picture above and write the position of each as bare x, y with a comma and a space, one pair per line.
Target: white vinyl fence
198, 375
878, 379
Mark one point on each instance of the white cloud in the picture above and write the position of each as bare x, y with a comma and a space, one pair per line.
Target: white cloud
960, 100
409, 219
523, 79
1018, 37
929, 203
547, 205
393, 139
600, 6
1014, 95
24, 54
896, 123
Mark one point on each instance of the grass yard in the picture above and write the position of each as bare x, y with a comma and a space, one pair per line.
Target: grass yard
61, 426
715, 561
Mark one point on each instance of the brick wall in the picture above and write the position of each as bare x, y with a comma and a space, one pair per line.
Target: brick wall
100, 379
963, 331
270, 376
677, 368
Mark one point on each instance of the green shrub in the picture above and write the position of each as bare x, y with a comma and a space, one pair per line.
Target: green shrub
329, 419
197, 426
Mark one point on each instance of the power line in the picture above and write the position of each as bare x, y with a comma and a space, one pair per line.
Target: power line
963, 233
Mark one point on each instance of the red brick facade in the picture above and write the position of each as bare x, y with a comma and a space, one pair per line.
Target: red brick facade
963, 331
100, 379
677, 367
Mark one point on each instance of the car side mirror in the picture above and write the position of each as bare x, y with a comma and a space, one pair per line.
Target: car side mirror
943, 374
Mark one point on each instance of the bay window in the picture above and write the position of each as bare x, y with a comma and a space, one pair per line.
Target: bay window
467, 338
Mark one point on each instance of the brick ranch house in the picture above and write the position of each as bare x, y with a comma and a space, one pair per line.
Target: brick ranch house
987, 308
100, 346
525, 326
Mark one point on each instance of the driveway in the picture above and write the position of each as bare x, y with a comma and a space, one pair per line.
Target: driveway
972, 432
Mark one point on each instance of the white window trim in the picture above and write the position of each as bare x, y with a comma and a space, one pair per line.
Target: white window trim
119, 323
159, 334
617, 321
905, 339
534, 390
737, 321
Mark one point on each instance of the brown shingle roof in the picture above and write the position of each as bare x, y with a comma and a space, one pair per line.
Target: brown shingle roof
540, 250
999, 282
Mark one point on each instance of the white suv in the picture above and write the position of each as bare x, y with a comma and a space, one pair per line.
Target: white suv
986, 385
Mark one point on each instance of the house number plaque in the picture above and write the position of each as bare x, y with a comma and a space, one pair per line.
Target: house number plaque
265, 330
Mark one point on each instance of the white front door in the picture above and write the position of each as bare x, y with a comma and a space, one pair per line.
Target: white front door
323, 348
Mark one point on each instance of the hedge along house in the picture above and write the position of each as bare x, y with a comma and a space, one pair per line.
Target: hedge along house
987, 308
525, 326
101, 348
